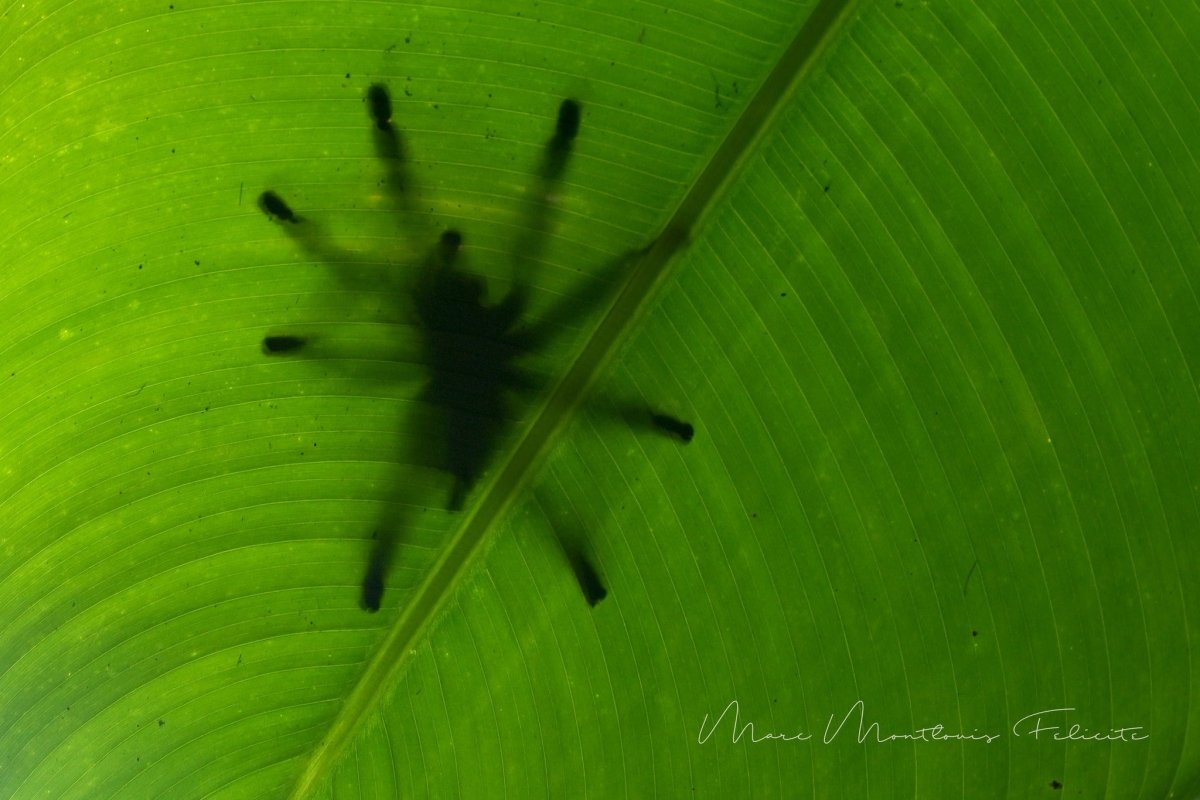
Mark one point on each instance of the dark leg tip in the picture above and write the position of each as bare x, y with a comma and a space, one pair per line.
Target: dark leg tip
379, 103
372, 589
275, 345
596, 595
448, 247
274, 206
589, 580
568, 121
684, 431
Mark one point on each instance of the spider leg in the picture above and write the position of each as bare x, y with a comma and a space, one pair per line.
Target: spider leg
354, 270
558, 149
351, 268
593, 293
389, 146
590, 582
639, 415
528, 247
380, 559
572, 544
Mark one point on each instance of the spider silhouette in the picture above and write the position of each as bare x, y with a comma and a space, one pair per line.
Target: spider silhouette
471, 348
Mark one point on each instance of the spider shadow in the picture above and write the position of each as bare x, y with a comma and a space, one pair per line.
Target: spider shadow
471, 350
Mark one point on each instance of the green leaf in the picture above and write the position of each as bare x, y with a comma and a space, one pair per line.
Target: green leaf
920, 275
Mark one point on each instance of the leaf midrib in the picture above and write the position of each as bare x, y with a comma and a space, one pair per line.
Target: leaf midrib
648, 275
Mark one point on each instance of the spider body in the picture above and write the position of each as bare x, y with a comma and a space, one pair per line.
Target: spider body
470, 351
